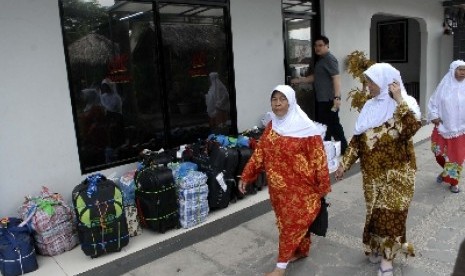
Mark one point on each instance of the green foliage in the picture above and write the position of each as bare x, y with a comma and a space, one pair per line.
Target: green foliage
82, 17
357, 63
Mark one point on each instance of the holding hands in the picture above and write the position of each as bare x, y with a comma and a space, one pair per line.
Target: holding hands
242, 186
339, 174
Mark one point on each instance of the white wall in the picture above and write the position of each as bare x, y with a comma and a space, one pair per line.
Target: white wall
37, 140
37, 136
355, 17
258, 56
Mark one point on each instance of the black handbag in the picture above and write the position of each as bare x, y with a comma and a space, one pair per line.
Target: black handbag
320, 224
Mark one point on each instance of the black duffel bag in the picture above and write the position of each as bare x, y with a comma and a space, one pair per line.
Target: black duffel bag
156, 199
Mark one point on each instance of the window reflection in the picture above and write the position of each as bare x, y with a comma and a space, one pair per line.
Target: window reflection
299, 25
194, 43
135, 85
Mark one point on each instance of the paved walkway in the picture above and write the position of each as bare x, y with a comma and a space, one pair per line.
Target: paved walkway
436, 226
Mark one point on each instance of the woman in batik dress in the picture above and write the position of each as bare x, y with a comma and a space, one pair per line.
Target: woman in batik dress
383, 142
292, 154
446, 110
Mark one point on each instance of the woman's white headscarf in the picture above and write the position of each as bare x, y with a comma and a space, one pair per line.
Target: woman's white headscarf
217, 96
411, 101
111, 100
448, 103
381, 108
296, 122
92, 98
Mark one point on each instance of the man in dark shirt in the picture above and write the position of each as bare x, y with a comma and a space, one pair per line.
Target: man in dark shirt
327, 84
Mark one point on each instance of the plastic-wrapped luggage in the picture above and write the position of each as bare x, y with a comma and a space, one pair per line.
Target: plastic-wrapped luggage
132, 218
52, 222
192, 192
333, 152
102, 225
128, 188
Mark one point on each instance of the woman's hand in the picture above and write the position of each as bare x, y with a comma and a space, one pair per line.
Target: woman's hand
339, 173
242, 186
395, 92
436, 121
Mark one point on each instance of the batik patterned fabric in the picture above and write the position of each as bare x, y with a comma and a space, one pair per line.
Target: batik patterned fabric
132, 220
450, 155
388, 166
297, 176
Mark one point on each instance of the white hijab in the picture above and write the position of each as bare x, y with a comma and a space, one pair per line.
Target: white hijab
111, 100
217, 96
381, 108
92, 98
296, 122
411, 101
448, 103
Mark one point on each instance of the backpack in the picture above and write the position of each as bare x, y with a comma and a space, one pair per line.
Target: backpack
102, 225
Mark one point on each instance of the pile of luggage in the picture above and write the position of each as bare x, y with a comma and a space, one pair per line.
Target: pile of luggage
169, 189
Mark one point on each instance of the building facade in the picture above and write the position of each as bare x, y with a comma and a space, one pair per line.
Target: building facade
47, 80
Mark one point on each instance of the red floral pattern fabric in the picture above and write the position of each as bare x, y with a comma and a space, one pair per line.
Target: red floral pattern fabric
297, 176
450, 155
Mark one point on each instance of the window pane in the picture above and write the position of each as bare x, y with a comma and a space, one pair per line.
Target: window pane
140, 77
113, 80
300, 62
194, 45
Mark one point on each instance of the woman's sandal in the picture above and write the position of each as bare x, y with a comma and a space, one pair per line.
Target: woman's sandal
439, 178
455, 189
387, 272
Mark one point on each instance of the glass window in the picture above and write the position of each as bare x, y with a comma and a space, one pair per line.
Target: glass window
145, 75
195, 70
299, 28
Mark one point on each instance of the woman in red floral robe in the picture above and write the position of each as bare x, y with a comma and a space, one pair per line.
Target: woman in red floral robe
292, 154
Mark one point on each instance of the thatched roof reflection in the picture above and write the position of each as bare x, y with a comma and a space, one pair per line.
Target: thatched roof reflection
92, 49
185, 37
